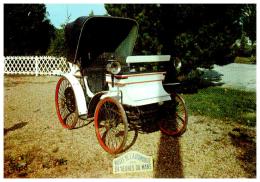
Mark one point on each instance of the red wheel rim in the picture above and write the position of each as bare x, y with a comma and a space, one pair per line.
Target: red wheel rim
111, 125
61, 109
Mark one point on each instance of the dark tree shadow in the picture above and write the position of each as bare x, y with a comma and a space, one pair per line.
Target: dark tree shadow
139, 126
247, 144
15, 127
169, 162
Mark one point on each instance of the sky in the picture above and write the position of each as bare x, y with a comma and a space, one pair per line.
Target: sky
58, 13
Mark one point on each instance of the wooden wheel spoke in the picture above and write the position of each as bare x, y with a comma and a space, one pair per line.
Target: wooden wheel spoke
115, 139
66, 119
62, 96
178, 116
64, 112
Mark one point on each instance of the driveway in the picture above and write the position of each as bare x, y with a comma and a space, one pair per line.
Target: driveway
239, 76
36, 145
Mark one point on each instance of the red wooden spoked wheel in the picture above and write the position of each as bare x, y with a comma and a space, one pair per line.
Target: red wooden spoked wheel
111, 125
175, 117
66, 105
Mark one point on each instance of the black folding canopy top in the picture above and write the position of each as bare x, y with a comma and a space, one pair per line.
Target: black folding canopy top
88, 37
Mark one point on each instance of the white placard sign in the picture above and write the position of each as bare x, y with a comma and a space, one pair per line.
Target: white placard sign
132, 161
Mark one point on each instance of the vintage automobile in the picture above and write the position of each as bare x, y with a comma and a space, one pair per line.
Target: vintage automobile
111, 86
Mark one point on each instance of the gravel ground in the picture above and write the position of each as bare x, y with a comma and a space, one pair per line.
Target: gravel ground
36, 146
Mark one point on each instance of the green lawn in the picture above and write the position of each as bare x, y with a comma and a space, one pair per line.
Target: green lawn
223, 103
245, 60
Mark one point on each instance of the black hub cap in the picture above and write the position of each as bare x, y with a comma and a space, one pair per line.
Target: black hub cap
70, 99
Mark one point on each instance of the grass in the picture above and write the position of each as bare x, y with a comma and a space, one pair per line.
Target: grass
223, 103
245, 60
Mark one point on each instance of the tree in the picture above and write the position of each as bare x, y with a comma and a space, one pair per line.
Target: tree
27, 31
91, 13
199, 34
245, 46
248, 20
149, 24
57, 45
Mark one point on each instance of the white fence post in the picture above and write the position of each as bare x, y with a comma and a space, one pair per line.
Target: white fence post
36, 66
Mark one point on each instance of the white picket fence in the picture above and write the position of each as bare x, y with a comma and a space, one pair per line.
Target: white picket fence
35, 65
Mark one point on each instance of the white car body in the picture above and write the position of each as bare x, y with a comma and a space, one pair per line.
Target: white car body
134, 89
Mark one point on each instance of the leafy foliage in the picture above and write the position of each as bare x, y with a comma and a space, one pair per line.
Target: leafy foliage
248, 20
199, 34
57, 47
149, 24
245, 46
26, 29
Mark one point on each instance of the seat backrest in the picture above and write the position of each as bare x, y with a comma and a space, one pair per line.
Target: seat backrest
150, 63
148, 59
